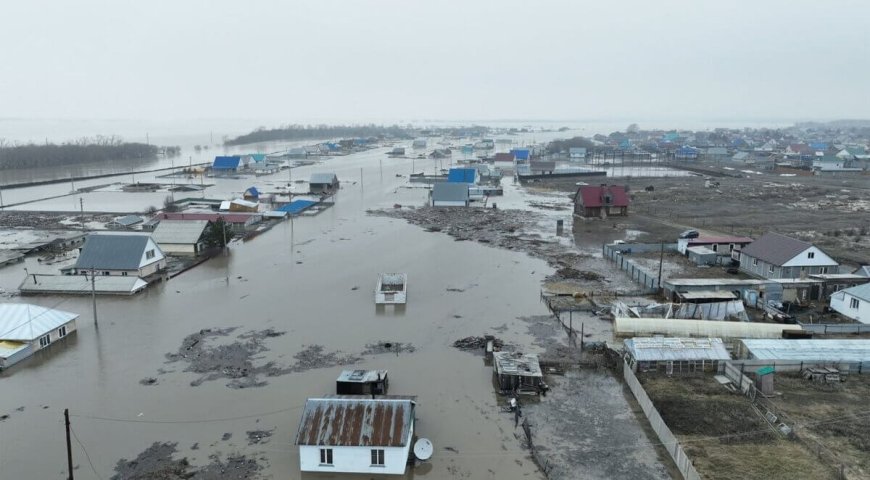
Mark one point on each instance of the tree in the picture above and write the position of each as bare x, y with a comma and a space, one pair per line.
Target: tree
633, 128
217, 233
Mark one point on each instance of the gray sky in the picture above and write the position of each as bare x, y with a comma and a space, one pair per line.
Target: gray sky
362, 60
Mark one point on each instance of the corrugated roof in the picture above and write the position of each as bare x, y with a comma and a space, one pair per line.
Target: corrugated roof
699, 328
362, 376
450, 192
859, 291
823, 350
113, 252
226, 162
775, 248
25, 322
296, 206
515, 363
356, 421
81, 284
323, 178
646, 349
462, 175
179, 231
227, 217
128, 220
709, 294
710, 240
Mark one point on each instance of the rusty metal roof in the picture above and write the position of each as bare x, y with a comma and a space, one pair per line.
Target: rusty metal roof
357, 421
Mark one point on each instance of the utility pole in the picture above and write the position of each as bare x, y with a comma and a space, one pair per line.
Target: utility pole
360, 177
82, 212
1, 197
68, 444
661, 260
94, 294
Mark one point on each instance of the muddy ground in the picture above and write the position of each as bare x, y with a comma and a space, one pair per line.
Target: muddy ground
158, 462
726, 437
830, 211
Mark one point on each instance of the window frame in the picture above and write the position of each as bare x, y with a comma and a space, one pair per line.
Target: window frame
811, 255
45, 340
378, 457
854, 303
326, 457
754, 262
61, 331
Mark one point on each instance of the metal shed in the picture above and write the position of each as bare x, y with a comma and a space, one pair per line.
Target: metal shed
362, 382
517, 370
675, 355
849, 351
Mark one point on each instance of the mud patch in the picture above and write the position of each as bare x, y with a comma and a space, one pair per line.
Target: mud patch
234, 361
259, 436
315, 356
386, 346
157, 463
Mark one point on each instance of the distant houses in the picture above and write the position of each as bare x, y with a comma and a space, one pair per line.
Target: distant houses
601, 201
323, 184
134, 255
356, 434
778, 256
26, 329
686, 153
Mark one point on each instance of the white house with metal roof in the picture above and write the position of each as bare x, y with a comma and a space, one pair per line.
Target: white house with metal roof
25, 329
180, 237
122, 254
356, 434
853, 302
778, 256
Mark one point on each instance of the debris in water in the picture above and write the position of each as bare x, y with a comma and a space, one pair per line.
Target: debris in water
226, 436
474, 343
148, 381
156, 462
259, 436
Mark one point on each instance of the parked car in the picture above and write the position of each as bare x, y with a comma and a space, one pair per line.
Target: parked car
690, 234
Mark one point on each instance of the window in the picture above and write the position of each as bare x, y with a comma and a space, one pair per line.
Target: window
107, 273
326, 456
754, 262
123, 274
44, 341
715, 247
854, 303
823, 270
770, 269
377, 456
731, 247
61, 332
149, 254
811, 254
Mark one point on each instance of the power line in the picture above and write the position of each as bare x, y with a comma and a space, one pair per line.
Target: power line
86, 453
171, 422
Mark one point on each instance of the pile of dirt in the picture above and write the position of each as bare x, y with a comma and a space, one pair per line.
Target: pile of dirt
315, 356
476, 343
157, 463
388, 346
259, 436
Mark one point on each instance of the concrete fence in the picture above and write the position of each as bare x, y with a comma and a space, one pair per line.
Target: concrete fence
666, 437
835, 328
619, 255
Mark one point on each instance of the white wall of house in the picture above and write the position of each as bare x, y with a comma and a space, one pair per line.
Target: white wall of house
811, 257
155, 255
54, 335
850, 306
355, 459
179, 248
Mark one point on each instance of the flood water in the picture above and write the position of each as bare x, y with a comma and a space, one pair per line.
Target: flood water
313, 278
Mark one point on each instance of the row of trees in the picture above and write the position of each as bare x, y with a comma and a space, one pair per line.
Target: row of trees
319, 132
84, 150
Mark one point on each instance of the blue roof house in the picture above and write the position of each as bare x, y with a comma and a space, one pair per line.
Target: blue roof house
521, 153
462, 175
686, 153
226, 164
258, 157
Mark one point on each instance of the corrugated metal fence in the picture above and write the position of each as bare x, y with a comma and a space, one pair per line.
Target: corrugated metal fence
618, 255
666, 437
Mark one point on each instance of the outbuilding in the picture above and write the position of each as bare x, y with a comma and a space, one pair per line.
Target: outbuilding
446, 194
516, 371
356, 434
593, 201
675, 355
362, 382
323, 184
26, 329
181, 237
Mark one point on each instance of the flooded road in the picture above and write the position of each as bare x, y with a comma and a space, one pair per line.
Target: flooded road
312, 278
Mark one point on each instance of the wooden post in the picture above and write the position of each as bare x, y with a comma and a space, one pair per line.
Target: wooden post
68, 444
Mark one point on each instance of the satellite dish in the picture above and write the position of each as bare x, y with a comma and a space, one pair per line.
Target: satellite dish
423, 449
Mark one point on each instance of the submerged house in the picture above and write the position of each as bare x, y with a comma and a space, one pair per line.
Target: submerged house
181, 237
356, 434
226, 164
135, 255
26, 329
463, 175
778, 256
362, 382
323, 183
592, 201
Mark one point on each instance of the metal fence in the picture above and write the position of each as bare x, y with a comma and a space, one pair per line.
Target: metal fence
618, 254
666, 437
835, 328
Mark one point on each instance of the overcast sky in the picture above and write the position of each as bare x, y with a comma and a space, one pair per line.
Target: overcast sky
362, 60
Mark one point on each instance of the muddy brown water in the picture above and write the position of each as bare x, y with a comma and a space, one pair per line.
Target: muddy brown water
298, 278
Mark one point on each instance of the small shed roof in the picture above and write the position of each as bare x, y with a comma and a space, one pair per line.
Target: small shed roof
128, 220
179, 231
296, 206
245, 203
701, 250
323, 178
25, 322
515, 363
112, 252
651, 349
822, 350
462, 175
356, 421
252, 191
361, 376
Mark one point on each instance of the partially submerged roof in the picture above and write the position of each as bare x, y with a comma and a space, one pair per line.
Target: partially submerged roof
323, 178
112, 252
515, 363
823, 350
296, 206
593, 195
362, 376
25, 322
81, 284
650, 349
356, 421
179, 231
226, 162
775, 248
462, 175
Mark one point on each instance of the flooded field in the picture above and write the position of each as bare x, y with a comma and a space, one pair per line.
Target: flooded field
281, 316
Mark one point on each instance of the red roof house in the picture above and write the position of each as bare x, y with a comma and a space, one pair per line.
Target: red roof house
593, 201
